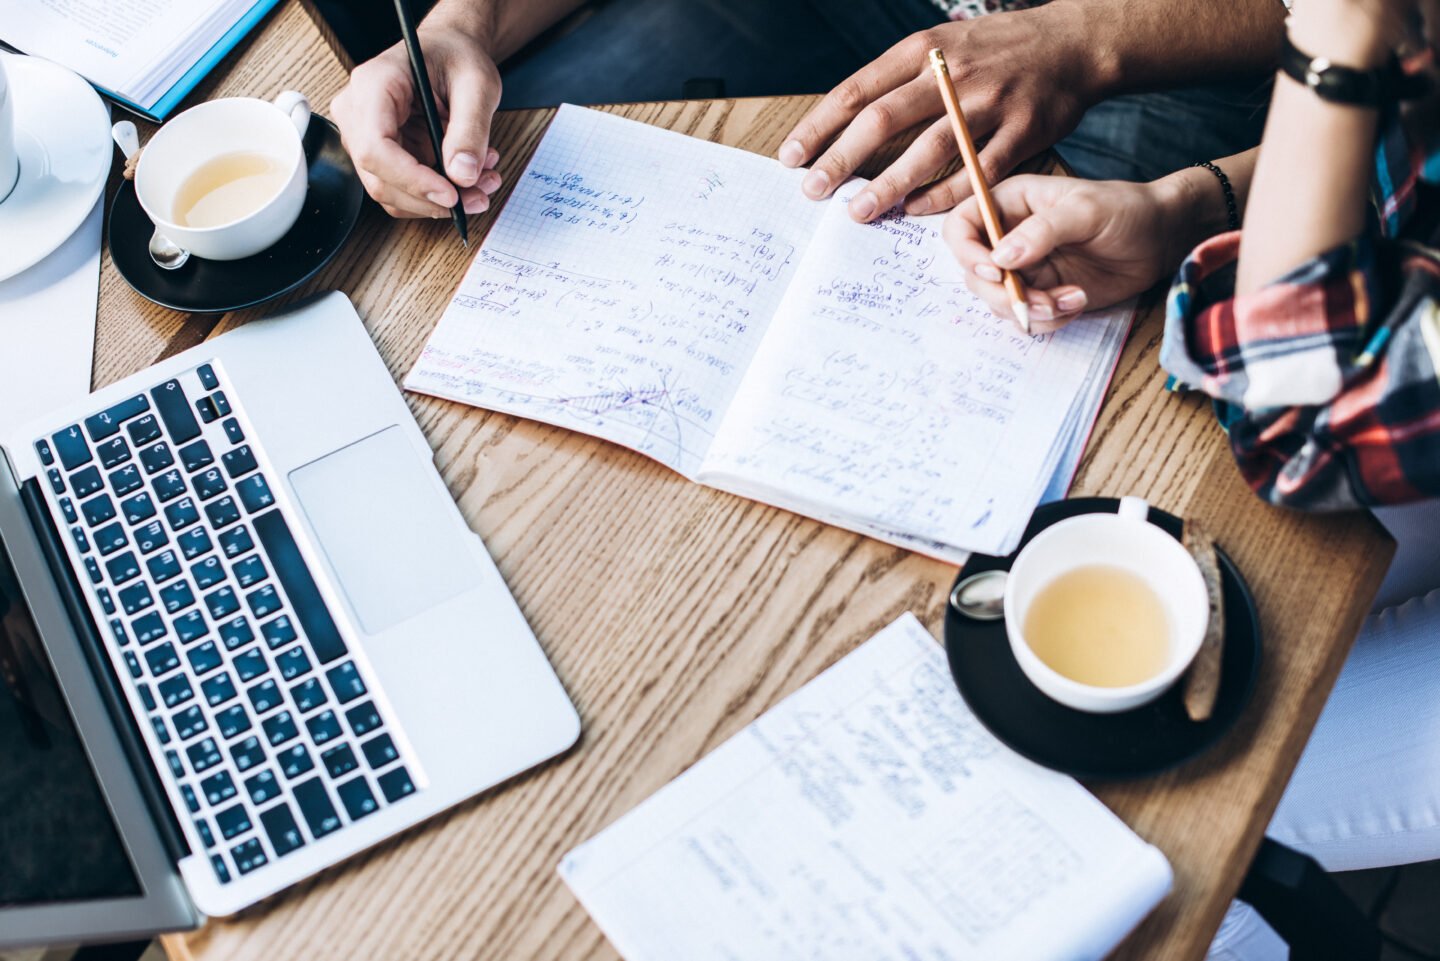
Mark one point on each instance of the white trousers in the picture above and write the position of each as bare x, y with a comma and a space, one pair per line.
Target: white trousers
1366, 792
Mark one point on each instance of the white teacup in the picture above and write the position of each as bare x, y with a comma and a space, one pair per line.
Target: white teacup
209, 131
9, 153
1125, 540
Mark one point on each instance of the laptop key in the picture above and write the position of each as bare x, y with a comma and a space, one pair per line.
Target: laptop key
254, 493
126, 480
143, 431
98, 510
281, 829
190, 722
162, 660
250, 571
236, 541
346, 682
82, 543
195, 543
156, 458
236, 633
218, 689
221, 403
85, 482
206, 837
174, 410
110, 539
295, 761
262, 788
195, 456
246, 754
168, 485
192, 803
205, 407
249, 856
107, 602
175, 691
203, 755
67, 507
379, 751
47, 456
136, 598
263, 602
395, 784
292, 663
222, 513
280, 728
249, 664
132, 664
108, 421
222, 603
176, 598
264, 696
339, 761
57, 483
222, 873
210, 483
190, 627
323, 727
217, 788
93, 570
308, 695
182, 514
208, 380
113, 452
123, 568
147, 696
177, 767
239, 461
71, 446
233, 433
117, 628
161, 731
363, 719
315, 807
208, 573
205, 658
357, 797
278, 632
293, 573
163, 567
138, 509
149, 628
151, 537
233, 821
233, 721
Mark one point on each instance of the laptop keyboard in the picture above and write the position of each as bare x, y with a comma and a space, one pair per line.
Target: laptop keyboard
270, 733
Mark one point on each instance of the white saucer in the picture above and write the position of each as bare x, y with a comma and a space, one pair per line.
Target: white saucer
62, 133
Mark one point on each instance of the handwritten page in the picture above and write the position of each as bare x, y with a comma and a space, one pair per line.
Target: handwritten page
868, 816
625, 287
887, 394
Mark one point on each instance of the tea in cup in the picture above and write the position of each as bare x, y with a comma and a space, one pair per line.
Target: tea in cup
1105, 611
227, 179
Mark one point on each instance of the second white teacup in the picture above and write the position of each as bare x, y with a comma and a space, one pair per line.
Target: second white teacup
226, 179
1102, 588
9, 155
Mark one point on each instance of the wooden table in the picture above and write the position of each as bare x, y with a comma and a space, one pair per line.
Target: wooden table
675, 614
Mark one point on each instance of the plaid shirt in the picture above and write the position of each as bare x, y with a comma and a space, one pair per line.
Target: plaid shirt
1327, 379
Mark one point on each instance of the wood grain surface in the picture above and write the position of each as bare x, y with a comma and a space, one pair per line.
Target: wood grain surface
675, 614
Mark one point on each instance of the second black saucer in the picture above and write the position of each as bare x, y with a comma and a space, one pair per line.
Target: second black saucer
1146, 740
332, 208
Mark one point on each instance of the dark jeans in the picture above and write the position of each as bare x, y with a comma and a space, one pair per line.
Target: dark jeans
626, 50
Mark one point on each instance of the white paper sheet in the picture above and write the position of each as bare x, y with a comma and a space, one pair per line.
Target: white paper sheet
47, 328
868, 816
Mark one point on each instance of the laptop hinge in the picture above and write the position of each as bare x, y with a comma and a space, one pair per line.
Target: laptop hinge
147, 778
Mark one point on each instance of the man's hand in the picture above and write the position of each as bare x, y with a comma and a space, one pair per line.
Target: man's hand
1082, 244
1024, 78
382, 123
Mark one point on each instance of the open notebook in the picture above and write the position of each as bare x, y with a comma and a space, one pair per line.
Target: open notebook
684, 299
868, 815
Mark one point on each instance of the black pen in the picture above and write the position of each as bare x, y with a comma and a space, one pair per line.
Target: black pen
432, 115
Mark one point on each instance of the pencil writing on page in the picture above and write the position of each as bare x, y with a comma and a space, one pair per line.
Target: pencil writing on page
988, 211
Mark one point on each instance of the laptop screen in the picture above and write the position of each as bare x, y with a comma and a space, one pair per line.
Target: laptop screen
57, 839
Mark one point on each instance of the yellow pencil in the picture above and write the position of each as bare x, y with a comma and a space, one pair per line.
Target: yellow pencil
1013, 284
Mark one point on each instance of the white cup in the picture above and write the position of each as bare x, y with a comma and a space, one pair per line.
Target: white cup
9, 152
211, 130
1128, 541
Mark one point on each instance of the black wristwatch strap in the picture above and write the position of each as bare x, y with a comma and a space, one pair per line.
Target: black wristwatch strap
1339, 84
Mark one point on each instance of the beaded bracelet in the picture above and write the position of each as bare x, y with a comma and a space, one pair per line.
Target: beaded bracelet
1231, 215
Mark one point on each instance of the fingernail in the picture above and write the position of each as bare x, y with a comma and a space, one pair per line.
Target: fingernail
1008, 253
920, 205
437, 197
816, 184
489, 181
492, 157
792, 153
863, 206
988, 272
464, 168
1075, 300
1041, 312
477, 205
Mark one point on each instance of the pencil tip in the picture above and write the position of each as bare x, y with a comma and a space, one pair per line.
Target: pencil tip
1022, 314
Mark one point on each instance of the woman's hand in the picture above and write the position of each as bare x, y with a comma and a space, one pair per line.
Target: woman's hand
1081, 244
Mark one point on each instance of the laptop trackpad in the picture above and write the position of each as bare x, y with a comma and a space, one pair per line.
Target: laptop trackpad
387, 528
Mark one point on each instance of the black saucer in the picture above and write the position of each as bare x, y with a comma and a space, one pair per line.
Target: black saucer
332, 208
1146, 740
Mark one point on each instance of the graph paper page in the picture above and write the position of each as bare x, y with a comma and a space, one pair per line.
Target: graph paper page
887, 398
625, 286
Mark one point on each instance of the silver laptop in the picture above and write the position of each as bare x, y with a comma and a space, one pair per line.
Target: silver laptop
244, 634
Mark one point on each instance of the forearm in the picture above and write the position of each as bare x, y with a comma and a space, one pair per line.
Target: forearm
502, 27
1138, 45
1311, 185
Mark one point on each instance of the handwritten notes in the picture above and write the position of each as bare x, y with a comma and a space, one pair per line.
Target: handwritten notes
684, 299
625, 287
868, 815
